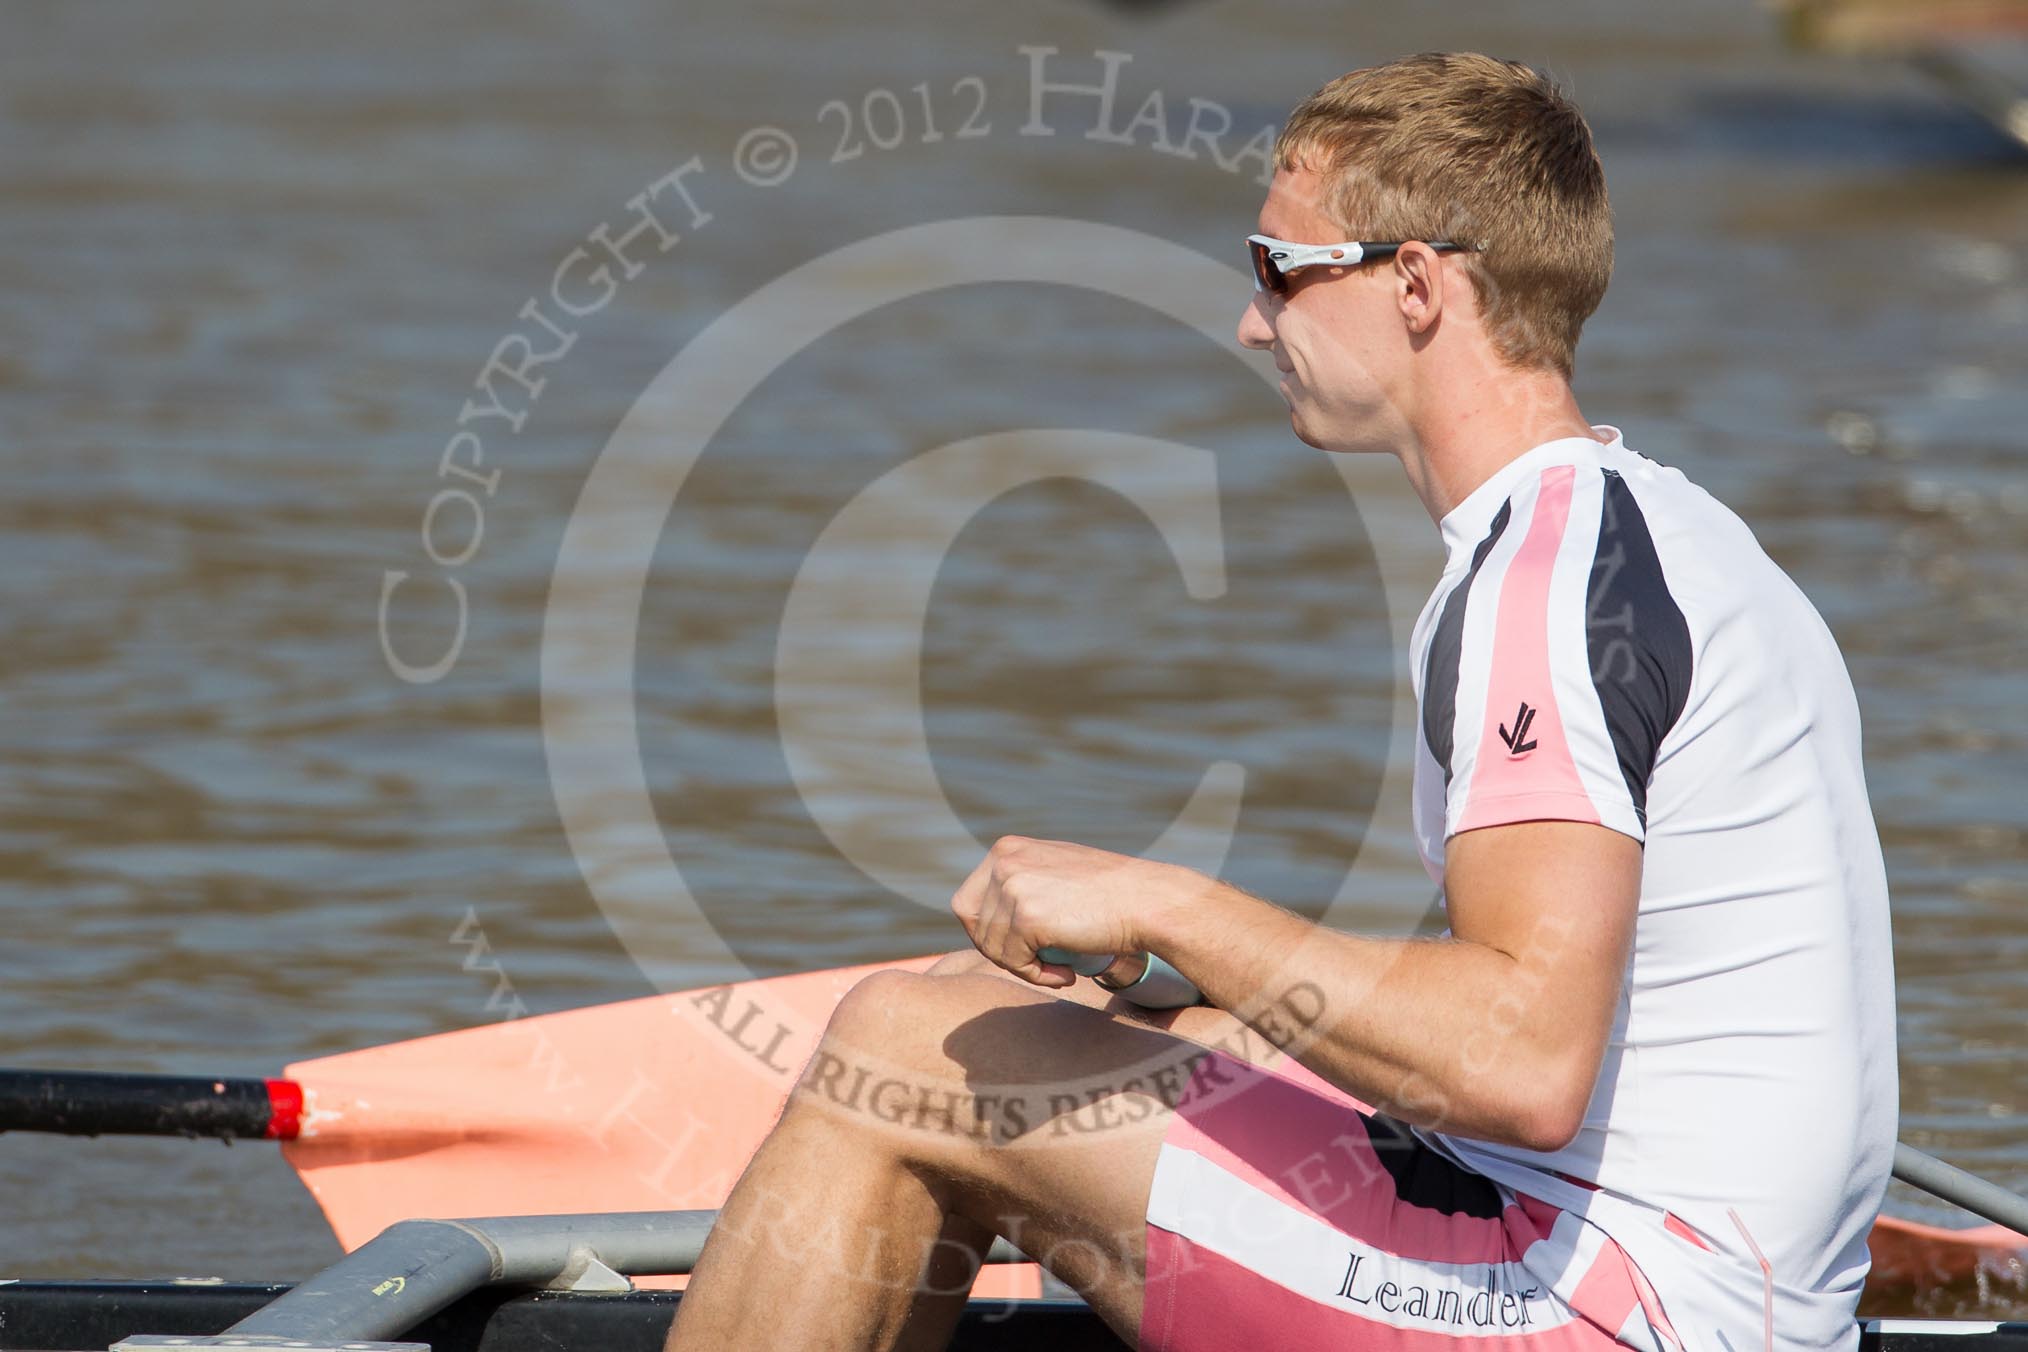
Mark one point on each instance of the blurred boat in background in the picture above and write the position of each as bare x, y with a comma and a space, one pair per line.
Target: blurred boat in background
1976, 50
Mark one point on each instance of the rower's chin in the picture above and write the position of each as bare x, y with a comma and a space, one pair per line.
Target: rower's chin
1301, 428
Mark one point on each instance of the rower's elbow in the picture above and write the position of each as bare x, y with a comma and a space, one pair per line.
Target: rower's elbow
1525, 1113
1550, 1112
1548, 1128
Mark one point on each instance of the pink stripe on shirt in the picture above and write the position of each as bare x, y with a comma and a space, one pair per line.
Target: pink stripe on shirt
1537, 781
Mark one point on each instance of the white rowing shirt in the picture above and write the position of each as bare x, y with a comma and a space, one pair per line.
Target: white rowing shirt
1609, 644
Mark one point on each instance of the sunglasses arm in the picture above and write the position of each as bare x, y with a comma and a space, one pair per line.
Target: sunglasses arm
1345, 255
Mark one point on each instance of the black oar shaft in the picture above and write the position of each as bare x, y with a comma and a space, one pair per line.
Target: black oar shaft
86, 1103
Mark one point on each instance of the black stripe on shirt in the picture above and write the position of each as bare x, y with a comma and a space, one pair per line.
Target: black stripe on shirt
1639, 642
1440, 667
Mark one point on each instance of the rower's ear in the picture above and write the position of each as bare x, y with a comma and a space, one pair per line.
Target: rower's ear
1419, 287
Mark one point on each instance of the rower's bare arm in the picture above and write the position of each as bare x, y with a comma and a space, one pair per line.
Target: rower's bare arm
1495, 1032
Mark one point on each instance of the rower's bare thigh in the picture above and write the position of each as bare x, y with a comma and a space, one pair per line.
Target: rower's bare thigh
1039, 1117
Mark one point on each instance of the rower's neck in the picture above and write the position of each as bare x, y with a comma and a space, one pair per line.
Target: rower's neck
1462, 442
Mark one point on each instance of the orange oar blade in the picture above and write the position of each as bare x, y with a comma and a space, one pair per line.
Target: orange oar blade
646, 1105
1906, 1253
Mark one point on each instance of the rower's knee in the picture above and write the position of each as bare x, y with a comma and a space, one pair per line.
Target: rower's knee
878, 1005
971, 962
875, 1032
952, 964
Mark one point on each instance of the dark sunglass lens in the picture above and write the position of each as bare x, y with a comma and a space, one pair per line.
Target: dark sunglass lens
1265, 272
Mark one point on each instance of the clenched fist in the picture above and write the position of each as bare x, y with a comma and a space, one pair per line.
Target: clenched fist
1031, 894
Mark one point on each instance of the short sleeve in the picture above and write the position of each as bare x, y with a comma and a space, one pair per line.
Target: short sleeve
1558, 663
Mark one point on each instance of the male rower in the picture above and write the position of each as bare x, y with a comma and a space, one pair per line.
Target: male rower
1641, 1094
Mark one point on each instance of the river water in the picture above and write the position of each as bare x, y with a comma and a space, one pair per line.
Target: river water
253, 263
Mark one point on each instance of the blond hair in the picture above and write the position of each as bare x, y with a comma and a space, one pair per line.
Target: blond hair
1463, 147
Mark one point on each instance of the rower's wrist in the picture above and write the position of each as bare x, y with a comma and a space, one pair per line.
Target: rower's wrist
1172, 925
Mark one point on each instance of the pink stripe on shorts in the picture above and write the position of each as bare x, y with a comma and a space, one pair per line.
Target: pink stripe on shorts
1284, 1212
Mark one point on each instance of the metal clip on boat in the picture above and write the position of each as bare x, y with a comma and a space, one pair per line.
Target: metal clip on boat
1158, 986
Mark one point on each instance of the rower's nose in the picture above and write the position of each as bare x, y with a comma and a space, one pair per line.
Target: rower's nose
1255, 329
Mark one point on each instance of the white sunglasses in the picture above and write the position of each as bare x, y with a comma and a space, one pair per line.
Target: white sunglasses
1274, 259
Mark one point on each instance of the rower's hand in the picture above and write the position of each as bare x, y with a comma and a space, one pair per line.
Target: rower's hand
1030, 894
